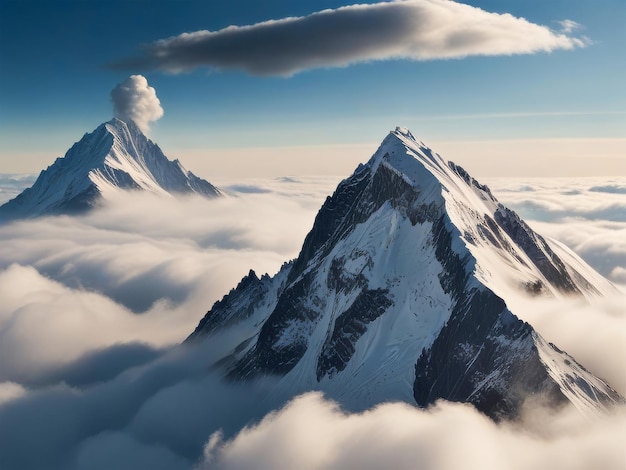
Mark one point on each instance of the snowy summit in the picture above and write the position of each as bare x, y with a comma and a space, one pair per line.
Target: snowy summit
116, 156
407, 288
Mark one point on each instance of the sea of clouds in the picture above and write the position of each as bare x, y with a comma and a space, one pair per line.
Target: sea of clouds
92, 310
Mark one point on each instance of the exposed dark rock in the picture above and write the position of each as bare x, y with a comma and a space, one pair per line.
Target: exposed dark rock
292, 315
234, 307
484, 356
536, 248
348, 328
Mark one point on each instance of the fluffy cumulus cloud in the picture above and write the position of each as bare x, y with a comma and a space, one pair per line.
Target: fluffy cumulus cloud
411, 29
135, 100
311, 433
92, 309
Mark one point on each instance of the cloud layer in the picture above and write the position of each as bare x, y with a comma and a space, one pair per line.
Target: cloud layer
411, 29
312, 433
135, 100
12, 185
587, 214
142, 269
91, 306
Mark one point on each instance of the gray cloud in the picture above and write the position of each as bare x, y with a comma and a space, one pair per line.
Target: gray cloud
134, 100
609, 188
120, 451
100, 366
247, 189
165, 409
411, 29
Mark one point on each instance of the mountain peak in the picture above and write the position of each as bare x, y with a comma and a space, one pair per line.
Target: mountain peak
115, 156
402, 153
117, 125
405, 289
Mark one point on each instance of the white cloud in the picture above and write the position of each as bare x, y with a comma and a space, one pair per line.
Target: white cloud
44, 325
411, 29
134, 100
593, 333
587, 214
569, 26
11, 391
140, 269
12, 185
311, 433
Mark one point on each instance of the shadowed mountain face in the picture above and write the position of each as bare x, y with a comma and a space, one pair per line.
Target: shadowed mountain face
400, 293
116, 156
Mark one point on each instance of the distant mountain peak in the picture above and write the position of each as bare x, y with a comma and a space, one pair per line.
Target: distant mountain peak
115, 156
402, 291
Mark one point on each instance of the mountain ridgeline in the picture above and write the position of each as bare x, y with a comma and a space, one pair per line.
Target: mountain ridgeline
116, 156
400, 292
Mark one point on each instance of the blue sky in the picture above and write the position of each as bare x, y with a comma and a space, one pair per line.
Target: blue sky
55, 81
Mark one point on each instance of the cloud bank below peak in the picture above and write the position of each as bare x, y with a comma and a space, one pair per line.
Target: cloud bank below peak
413, 30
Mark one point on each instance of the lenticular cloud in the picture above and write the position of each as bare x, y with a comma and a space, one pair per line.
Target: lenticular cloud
405, 30
135, 100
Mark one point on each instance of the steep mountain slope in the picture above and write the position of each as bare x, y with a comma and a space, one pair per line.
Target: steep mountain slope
117, 155
400, 293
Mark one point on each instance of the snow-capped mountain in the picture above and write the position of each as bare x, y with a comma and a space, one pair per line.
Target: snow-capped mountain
405, 289
116, 156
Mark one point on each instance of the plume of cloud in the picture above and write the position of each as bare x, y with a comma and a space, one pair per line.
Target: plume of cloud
135, 100
411, 29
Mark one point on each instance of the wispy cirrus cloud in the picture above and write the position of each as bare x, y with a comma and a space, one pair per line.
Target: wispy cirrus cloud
410, 30
568, 26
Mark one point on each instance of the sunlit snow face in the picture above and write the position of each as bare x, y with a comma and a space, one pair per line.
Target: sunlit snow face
84, 299
587, 214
